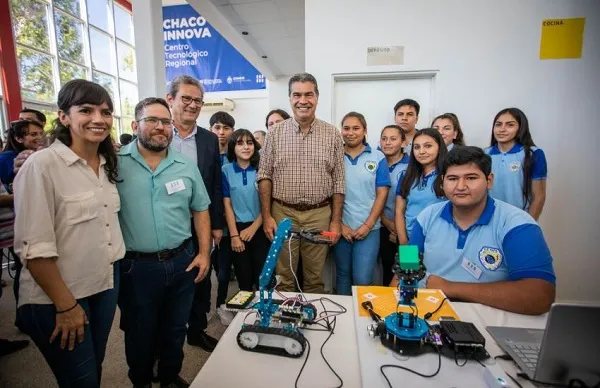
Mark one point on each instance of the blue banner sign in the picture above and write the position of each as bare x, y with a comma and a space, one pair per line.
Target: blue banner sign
193, 47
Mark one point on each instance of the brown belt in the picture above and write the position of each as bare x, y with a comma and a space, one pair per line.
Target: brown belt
303, 206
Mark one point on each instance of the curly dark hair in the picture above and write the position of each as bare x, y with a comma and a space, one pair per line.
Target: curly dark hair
241, 134
79, 92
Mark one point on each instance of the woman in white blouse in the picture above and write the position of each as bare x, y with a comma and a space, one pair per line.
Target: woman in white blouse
68, 237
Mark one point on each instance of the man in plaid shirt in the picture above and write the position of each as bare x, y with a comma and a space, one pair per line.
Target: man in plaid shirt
301, 177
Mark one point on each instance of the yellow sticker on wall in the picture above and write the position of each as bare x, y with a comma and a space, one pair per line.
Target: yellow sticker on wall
562, 38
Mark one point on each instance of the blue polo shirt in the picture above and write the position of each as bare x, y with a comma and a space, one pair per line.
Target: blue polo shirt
420, 196
7, 164
508, 173
504, 244
224, 159
396, 170
363, 175
156, 206
240, 186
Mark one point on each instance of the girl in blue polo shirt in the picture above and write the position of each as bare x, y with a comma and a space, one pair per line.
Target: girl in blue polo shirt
367, 181
449, 127
242, 209
420, 185
519, 167
391, 141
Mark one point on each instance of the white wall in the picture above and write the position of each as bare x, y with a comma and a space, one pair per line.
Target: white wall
251, 107
487, 57
278, 93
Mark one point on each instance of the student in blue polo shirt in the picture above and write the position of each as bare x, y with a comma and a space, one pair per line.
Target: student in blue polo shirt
392, 138
222, 124
420, 185
481, 250
449, 127
519, 167
242, 209
367, 182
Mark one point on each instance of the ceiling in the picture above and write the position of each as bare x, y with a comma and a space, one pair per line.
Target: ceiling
275, 29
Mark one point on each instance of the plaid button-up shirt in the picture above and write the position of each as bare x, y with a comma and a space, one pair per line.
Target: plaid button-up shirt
304, 169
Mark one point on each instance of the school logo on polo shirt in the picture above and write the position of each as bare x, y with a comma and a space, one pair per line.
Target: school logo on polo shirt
490, 258
371, 166
515, 166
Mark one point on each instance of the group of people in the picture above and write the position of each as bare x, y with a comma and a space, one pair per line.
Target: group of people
95, 227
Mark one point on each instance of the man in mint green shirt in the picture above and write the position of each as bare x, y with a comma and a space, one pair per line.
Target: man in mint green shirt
161, 193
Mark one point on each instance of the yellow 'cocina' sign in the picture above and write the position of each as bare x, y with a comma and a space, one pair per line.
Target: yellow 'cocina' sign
562, 38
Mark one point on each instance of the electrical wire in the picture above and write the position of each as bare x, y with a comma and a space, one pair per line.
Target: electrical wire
456, 359
303, 364
325, 315
250, 312
430, 314
323, 355
330, 319
292, 267
514, 380
381, 369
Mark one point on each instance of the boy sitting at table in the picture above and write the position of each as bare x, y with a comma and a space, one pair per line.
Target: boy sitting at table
479, 249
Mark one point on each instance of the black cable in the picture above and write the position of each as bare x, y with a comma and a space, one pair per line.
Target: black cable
303, 364
330, 327
430, 314
456, 360
324, 359
381, 368
515, 380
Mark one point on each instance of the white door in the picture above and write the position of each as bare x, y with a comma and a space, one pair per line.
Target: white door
375, 96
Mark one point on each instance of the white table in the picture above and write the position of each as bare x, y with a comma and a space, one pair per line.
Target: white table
372, 354
230, 366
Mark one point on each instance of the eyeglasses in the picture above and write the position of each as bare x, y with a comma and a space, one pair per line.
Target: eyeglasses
187, 100
153, 121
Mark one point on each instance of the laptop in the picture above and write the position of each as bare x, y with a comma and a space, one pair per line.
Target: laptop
569, 347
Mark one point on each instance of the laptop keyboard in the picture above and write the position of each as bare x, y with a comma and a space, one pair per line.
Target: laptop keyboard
527, 352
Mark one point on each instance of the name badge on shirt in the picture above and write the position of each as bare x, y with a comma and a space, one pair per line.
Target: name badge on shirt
471, 268
175, 186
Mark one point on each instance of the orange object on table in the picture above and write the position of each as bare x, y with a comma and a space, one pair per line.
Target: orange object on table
385, 302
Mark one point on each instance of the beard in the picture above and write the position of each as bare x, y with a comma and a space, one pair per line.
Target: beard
153, 145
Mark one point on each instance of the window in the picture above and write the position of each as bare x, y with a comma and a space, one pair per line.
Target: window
98, 11
102, 51
60, 40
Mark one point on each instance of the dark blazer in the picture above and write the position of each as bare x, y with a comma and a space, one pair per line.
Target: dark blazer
209, 164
